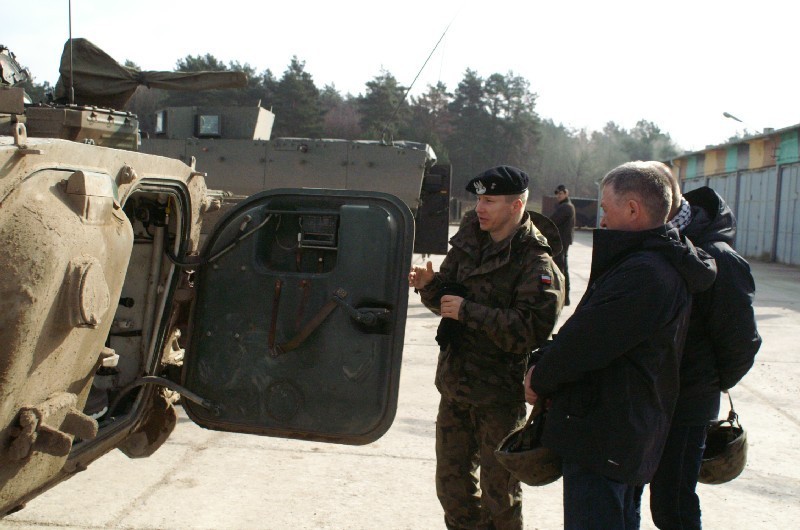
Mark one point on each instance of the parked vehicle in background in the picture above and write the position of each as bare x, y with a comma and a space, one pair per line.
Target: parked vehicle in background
234, 148
585, 210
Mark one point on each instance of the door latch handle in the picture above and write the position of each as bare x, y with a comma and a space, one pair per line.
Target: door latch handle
368, 316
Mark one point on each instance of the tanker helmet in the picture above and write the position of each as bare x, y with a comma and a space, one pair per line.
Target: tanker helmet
523, 455
725, 454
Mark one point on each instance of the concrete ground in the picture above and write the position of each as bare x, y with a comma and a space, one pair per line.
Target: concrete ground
210, 480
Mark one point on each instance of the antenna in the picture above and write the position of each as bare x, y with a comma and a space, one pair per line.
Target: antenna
71, 74
397, 107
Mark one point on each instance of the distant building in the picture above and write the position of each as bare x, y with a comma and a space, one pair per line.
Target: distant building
759, 177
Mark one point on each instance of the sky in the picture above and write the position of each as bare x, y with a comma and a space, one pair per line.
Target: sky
678, 64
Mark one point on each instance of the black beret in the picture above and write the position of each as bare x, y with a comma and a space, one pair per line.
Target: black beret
500, 180
560, 187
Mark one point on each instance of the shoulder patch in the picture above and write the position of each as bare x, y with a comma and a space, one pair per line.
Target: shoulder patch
546, 279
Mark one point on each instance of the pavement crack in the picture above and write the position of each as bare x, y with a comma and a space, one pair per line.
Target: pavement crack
192, 451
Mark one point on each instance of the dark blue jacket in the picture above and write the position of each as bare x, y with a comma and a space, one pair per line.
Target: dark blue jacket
722, 340
612, 370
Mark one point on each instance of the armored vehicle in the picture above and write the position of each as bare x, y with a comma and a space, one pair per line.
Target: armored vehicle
234, 147
111, 304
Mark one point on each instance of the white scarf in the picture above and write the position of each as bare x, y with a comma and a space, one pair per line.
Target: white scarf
682, 218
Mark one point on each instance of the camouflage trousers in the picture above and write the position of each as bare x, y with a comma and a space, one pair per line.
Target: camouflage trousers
466, 437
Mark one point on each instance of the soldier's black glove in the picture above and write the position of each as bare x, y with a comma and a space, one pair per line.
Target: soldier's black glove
450, 331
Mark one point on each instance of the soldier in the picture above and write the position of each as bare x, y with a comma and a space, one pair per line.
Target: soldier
721, 345
499, 294
612, 371
564, 219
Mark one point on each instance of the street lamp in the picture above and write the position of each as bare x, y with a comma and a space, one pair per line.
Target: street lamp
731, 116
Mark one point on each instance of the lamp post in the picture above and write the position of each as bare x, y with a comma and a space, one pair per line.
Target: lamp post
731, 116
745, 133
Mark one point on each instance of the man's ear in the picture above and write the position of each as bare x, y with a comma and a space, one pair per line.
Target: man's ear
639, 215
635, 209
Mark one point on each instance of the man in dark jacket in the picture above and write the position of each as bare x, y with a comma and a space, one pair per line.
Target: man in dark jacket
721, 345
564, 219
499, 294
611, 373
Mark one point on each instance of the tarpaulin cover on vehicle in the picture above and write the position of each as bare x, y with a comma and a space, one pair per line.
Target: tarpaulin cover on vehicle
99, 80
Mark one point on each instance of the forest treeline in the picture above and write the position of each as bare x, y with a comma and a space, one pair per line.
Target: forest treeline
484, 121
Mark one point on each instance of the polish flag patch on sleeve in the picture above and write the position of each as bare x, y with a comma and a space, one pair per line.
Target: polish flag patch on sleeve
546, 279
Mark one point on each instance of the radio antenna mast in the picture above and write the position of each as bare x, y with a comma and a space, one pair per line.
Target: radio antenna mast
397, 107
71, 74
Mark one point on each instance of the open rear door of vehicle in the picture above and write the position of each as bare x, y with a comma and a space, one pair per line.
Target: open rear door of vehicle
298, 325
433, 212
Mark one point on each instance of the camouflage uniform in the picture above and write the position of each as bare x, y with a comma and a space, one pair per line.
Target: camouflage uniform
514, 296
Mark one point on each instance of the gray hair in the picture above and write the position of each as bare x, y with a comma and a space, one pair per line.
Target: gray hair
647, 182
674, 184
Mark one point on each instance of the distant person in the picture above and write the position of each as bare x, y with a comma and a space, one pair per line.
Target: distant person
610, 375
499, 294
721, 345
564, 219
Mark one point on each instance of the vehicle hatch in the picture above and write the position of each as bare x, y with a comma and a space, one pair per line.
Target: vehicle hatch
299, 318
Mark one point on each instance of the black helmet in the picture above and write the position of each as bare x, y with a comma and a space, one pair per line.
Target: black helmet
725, 454
522, 454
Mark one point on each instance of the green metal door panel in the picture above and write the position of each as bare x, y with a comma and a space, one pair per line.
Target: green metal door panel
789, 151
732, 159
691, 167
300, 316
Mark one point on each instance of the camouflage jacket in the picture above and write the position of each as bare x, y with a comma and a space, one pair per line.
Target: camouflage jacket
514, 294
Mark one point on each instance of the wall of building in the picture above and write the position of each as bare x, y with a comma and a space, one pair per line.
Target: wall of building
759, 178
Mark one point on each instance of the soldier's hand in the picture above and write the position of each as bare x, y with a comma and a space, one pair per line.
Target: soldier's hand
419, 277
530, 395
450, 306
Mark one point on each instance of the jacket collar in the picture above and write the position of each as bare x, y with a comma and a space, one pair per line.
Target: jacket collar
610, 247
